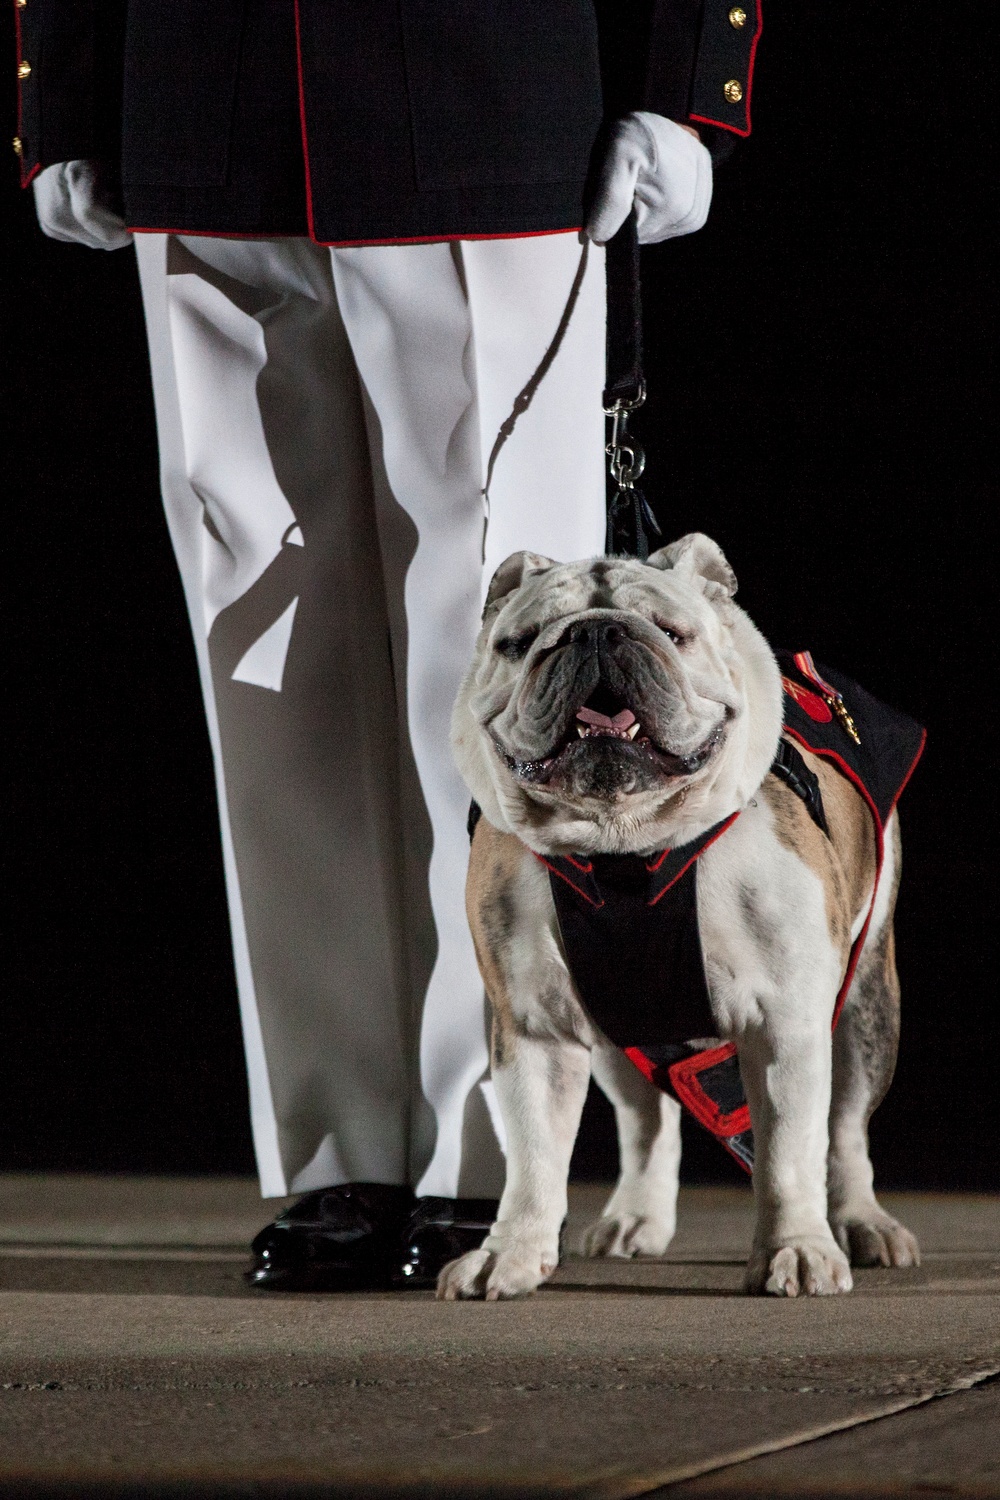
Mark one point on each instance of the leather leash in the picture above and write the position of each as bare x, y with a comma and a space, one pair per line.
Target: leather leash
630, 519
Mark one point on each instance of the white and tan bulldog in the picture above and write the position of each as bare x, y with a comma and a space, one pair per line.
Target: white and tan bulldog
682, 713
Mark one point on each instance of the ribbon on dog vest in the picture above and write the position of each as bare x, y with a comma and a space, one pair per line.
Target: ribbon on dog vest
629, 924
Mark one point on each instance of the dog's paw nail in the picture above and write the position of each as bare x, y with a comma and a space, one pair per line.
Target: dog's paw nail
464, 1277
494, 1275
624, 1235
814, 1268
873, 1238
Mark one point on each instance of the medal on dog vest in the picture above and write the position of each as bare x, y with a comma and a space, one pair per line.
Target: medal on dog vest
629, 924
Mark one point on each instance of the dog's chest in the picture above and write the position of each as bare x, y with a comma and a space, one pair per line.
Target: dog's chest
630, 931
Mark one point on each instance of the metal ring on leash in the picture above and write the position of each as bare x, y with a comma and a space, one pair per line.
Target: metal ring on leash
630, 520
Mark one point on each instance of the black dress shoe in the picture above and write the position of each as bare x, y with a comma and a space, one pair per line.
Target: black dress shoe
440, 1230
334, 1240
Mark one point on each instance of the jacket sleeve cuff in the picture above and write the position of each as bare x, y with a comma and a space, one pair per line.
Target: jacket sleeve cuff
68, 88
700, 65
25, 142
723, 74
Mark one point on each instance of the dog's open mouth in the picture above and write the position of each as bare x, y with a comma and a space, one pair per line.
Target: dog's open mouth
607, 721
590, 724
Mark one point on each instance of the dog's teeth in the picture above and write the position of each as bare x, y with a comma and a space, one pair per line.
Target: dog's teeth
581, 731
633, 730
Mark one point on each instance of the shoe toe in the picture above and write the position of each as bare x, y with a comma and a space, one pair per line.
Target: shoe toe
334, 1239
439, 1231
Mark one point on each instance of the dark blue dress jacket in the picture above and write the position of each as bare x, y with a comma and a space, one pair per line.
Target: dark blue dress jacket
366, 120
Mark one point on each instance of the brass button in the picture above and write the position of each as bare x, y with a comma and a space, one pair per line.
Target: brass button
18, 145
24, 70
737, 17
733, 91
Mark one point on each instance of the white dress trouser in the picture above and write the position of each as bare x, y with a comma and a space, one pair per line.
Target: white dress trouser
326, 422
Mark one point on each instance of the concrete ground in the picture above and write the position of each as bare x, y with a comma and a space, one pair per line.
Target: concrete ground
134, 1361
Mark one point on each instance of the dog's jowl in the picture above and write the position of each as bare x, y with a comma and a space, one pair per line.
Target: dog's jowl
682, 880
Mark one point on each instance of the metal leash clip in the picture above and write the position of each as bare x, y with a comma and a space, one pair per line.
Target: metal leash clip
628, 510
622, 442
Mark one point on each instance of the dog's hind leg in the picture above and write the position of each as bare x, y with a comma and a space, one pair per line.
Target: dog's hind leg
864, 1058
640, 1216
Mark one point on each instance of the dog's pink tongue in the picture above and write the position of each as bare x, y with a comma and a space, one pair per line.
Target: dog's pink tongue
590, 716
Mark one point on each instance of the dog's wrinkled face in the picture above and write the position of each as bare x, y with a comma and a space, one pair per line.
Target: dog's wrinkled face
616, 705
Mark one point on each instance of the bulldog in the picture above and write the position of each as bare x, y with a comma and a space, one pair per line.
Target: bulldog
618, 712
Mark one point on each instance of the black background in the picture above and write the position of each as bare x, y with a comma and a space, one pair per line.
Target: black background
817, 359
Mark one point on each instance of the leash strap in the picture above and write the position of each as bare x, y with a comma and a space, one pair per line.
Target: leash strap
624, 377
630, 519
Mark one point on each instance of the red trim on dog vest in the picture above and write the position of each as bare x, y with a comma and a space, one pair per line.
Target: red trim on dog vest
574, 885
697, 855
684, 1077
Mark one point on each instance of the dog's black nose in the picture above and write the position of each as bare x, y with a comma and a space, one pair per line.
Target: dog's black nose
595, 633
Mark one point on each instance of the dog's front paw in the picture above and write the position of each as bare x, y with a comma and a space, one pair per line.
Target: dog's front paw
513, 1271
871, 1237
624, 1235
814, 1266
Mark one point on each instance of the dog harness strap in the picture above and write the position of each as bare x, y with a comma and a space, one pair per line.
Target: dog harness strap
790, 768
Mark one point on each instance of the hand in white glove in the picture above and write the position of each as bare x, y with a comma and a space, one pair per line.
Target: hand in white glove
73, 205
660, 167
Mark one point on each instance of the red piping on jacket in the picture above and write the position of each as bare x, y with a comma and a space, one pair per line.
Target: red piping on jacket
434, 239
422, 239
302, 119
25, 173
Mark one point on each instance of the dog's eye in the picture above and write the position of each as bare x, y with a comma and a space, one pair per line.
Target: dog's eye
514, 647
670, 633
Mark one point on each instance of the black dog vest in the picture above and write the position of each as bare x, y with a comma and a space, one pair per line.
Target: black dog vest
629, 923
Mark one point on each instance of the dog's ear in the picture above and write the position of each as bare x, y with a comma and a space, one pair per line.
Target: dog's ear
694, 557
511, 574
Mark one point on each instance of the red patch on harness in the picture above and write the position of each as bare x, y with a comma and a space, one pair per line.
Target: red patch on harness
810, 703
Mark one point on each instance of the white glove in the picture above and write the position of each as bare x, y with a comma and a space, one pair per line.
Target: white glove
659, 167
73, 206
